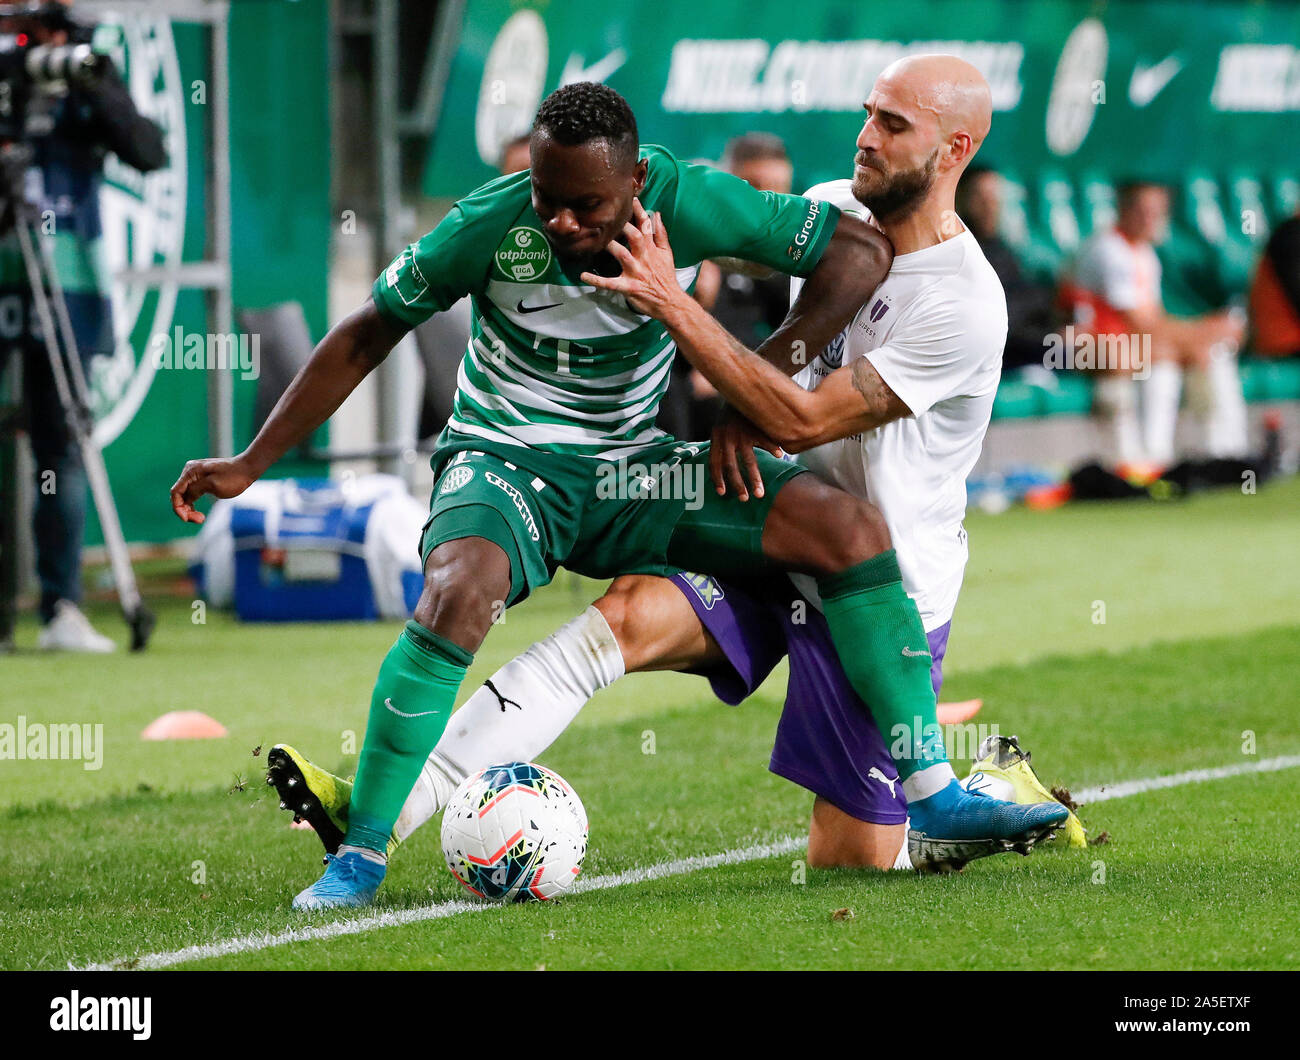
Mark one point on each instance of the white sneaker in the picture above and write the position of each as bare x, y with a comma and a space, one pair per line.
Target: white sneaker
70, 630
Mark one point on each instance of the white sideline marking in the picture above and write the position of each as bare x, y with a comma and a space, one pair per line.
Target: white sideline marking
265, 940
1193, 776
662, 870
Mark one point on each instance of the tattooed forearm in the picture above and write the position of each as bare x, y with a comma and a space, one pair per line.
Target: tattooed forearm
883, 405
867, 382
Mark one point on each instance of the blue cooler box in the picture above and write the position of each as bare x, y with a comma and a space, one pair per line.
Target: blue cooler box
312, 565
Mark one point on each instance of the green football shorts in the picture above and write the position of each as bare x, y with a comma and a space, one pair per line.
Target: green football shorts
655, 512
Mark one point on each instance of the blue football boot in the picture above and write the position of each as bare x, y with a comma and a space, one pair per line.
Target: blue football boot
350, 880
954, 826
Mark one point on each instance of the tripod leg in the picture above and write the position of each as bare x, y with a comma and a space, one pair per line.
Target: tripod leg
67, 337
70, 383
9, 508
138, 616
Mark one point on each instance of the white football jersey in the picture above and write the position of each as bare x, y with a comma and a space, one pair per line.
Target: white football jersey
1125, 275
934, 330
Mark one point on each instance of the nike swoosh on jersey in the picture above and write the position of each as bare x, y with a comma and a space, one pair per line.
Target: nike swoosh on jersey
521, 308
402, 714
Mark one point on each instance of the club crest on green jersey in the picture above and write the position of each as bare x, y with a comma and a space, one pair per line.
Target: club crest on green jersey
523, 255
456, 478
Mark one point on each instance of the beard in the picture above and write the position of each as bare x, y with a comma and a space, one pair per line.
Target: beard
901, 194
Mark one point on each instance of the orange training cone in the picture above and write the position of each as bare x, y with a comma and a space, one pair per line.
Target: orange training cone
183, 725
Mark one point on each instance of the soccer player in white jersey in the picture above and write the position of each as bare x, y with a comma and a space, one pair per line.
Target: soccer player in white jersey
893, 410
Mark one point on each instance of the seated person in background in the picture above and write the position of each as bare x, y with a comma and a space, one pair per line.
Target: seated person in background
1275, 294
1113, 290
1030, 305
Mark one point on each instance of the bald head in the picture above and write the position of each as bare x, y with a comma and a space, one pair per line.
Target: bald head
926, 117
949, 88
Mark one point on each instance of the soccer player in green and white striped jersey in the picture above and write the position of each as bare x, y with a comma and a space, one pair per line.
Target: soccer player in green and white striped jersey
551, 456
552, 364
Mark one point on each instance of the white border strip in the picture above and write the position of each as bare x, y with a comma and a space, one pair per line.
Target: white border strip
398, 917
1193, 776
662, 870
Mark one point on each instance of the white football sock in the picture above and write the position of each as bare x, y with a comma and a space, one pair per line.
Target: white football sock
926, 782
1160, 411
1116, 408
518, 713
904, 859
1225, 422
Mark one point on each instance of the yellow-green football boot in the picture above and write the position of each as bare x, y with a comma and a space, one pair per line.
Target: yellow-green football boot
312, 795
1001, 758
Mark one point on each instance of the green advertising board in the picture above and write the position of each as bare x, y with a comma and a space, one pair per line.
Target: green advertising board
1135, 88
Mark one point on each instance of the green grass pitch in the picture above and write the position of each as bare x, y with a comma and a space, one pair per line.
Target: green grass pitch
169, 846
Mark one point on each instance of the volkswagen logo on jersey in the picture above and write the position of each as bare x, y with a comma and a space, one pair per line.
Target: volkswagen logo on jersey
833, 355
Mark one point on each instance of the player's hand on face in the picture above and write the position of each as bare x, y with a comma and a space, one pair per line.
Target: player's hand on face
649, 277
732, 461
219, 477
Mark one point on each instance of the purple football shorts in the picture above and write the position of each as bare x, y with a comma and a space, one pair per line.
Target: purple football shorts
826, 740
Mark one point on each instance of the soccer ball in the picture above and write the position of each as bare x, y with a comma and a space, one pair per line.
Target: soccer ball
515, 833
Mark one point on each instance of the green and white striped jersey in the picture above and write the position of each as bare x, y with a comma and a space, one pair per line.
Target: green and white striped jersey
554, 364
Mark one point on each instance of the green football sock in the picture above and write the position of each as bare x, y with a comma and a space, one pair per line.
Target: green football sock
881, 644
413, 698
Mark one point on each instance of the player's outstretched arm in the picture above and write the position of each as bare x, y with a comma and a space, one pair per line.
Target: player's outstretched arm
794, 418
344, 357
855, 262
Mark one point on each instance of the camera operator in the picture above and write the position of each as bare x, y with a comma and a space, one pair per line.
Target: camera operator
84, 118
